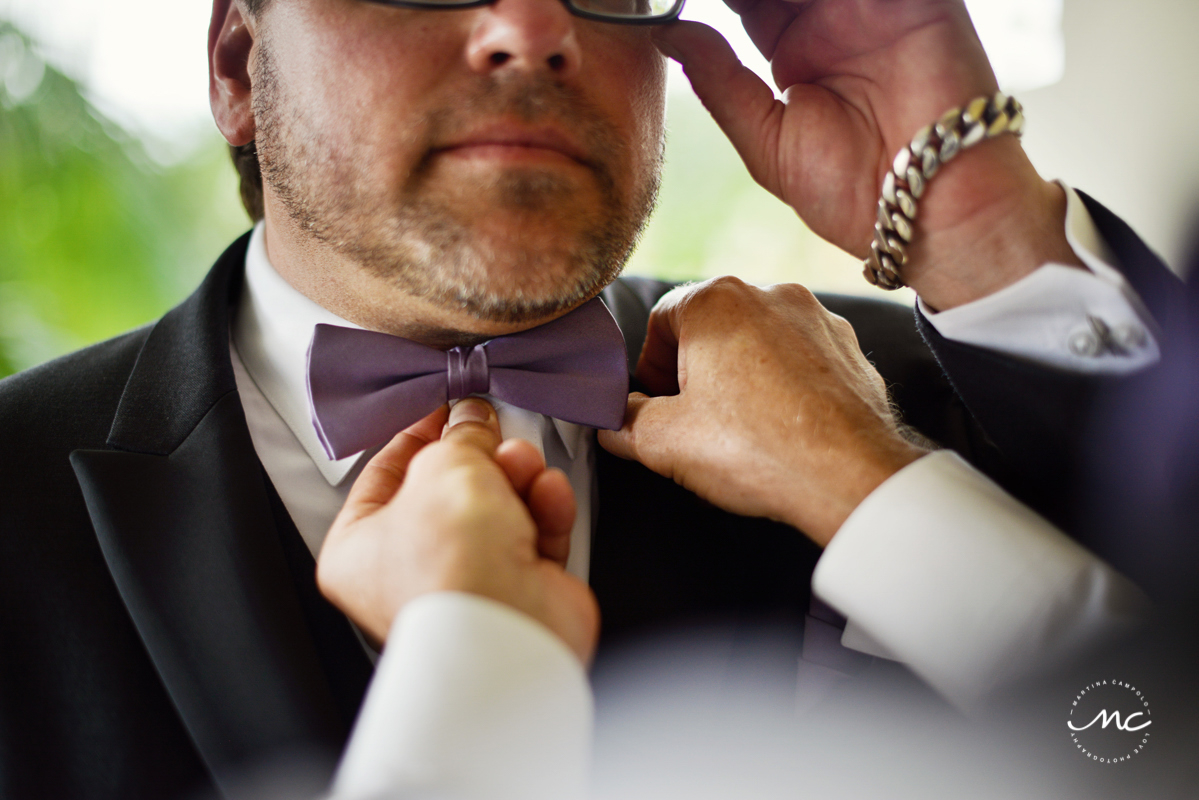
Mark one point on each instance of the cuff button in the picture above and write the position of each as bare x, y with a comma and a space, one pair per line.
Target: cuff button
1084, 343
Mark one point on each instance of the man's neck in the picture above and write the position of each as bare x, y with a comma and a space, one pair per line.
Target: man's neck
333, 281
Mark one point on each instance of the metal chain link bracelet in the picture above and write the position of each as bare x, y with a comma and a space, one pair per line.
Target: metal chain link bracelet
916, 164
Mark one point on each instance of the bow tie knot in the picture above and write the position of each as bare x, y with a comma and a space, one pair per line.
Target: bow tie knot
467, 372
364, 387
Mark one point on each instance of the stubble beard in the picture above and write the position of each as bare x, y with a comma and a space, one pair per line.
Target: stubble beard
426, 246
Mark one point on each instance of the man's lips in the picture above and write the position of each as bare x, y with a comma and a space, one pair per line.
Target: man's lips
510, 143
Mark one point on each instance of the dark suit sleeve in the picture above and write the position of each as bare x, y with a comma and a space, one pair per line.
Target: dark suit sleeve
1037, 416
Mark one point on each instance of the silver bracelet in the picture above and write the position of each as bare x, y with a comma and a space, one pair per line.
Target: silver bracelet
915, 165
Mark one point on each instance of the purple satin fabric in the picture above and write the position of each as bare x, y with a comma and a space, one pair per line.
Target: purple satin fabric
364, 387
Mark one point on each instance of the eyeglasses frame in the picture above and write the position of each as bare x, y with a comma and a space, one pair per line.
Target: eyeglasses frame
578, 12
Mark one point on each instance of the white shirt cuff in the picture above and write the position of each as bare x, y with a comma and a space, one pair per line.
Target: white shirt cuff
941, 569
1087, 321
471, 699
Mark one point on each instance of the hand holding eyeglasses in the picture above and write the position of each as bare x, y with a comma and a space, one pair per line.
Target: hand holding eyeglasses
860, 80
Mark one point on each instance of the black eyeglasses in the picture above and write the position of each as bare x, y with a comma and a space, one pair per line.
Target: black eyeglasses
624, 12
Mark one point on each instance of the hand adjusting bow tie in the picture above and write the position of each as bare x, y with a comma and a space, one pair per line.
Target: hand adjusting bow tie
364, 387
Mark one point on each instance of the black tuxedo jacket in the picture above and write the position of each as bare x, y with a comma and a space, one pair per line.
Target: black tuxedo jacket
161, 626
1078, 448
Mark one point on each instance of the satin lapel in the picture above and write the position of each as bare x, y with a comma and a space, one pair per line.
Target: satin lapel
181, 510
636, 512
630, 300
1159, 288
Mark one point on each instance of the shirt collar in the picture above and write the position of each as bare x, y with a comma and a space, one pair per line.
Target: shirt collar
272, 330
571, 434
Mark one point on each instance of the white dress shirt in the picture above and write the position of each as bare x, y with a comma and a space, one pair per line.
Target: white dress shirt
965, 599
944, 571
269, 341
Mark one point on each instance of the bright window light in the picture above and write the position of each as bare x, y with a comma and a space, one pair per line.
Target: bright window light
1023, 39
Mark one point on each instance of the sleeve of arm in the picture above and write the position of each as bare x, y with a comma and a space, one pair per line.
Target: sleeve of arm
1088, 321
471, 699
942, 570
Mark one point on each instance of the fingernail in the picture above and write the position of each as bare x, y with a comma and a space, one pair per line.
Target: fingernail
470, 410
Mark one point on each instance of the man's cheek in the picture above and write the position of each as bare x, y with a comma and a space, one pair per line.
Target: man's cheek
646, 96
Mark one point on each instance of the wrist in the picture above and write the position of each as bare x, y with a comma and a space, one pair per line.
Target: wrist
986, 221
848, 486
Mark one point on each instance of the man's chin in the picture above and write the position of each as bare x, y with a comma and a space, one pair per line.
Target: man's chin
508, 300
525, 270
553, 230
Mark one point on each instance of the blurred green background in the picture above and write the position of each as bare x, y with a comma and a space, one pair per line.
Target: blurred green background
98, 236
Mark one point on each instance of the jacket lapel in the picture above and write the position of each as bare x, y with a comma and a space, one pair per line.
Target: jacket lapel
630, 301
181, 509
1158, 287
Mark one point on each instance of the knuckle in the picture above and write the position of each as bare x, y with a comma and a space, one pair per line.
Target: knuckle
849, 337
672, 302
728, 288
795, 293
393, 471
842, 325
439, 459
427, 459
675, 295
721, 294
726, 283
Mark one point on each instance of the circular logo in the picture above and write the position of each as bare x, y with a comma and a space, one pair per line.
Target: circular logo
1110, 721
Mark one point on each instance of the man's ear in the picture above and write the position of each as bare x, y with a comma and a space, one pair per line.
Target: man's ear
230, 40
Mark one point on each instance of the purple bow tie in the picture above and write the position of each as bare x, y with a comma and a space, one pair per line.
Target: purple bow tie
364, 387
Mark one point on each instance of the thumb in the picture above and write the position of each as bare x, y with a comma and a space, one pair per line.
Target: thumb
658, 366
473, 422
647, 434
739, 101
383, 475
